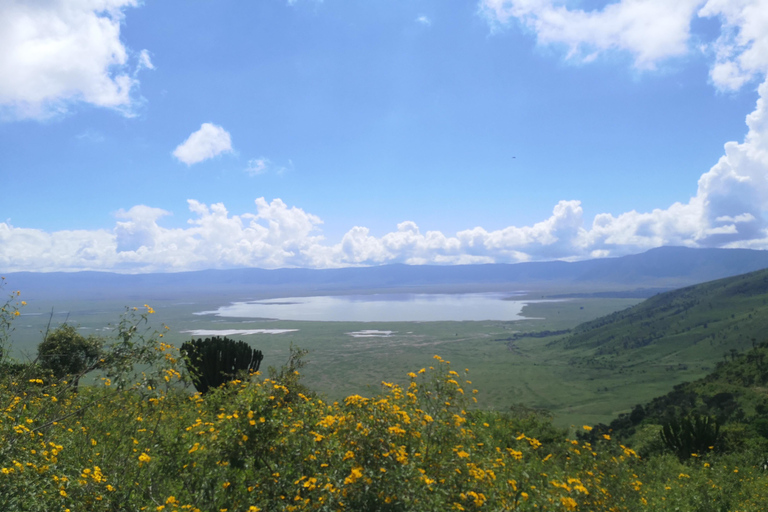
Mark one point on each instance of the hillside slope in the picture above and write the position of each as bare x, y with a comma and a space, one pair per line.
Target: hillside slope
694, 325
734, 394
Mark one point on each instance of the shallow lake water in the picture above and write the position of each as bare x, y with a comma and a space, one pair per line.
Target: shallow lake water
416, 307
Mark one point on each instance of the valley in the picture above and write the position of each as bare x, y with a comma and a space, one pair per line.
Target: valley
585, 353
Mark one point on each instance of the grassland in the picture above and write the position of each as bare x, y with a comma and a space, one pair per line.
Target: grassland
508, 372
585, 359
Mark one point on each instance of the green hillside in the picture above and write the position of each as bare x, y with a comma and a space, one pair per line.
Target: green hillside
734, 395
697, 326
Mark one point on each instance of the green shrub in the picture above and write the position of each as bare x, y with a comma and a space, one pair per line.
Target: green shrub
65, 352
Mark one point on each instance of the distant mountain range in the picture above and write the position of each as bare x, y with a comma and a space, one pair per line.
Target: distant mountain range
638, 275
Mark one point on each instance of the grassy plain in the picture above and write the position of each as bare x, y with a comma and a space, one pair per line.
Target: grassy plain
507, 371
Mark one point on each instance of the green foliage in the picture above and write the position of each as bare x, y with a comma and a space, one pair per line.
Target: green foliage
698, 322
9, 310
690, 435
66, 352
138, 440
732, 395
260, 444
215, 361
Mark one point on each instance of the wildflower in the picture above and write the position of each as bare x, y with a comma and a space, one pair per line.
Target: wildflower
354, 475
587, 428
568, 503
144, 458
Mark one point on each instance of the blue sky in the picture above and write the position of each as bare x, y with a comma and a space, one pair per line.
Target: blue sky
171, 135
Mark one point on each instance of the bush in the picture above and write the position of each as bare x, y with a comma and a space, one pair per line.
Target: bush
66, 352
215, 361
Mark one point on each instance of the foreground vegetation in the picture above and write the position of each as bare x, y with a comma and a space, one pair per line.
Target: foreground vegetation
140, 438
732, 398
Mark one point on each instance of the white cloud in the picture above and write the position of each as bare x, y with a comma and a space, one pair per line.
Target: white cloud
731, 197
263, 165
257, 166
207, 142
144, 61
651, 30
274, 236
278, 236
423, 20
59, 52
139, 229
90, 135
742, 48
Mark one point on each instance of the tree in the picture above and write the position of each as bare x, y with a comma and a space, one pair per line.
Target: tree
66, 352
217, 360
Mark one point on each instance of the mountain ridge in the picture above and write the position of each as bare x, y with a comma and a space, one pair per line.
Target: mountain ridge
657, 269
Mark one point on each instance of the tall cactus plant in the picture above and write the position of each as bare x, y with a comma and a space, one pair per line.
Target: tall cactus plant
689, 435
214, 361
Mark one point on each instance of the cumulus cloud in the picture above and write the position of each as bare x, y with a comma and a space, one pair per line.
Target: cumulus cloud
59, 52
207, 142
651, 30
278, 236
741, 51
727, 208
275, 235
423, 20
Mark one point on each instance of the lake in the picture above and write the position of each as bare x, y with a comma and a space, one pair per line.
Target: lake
411, 307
